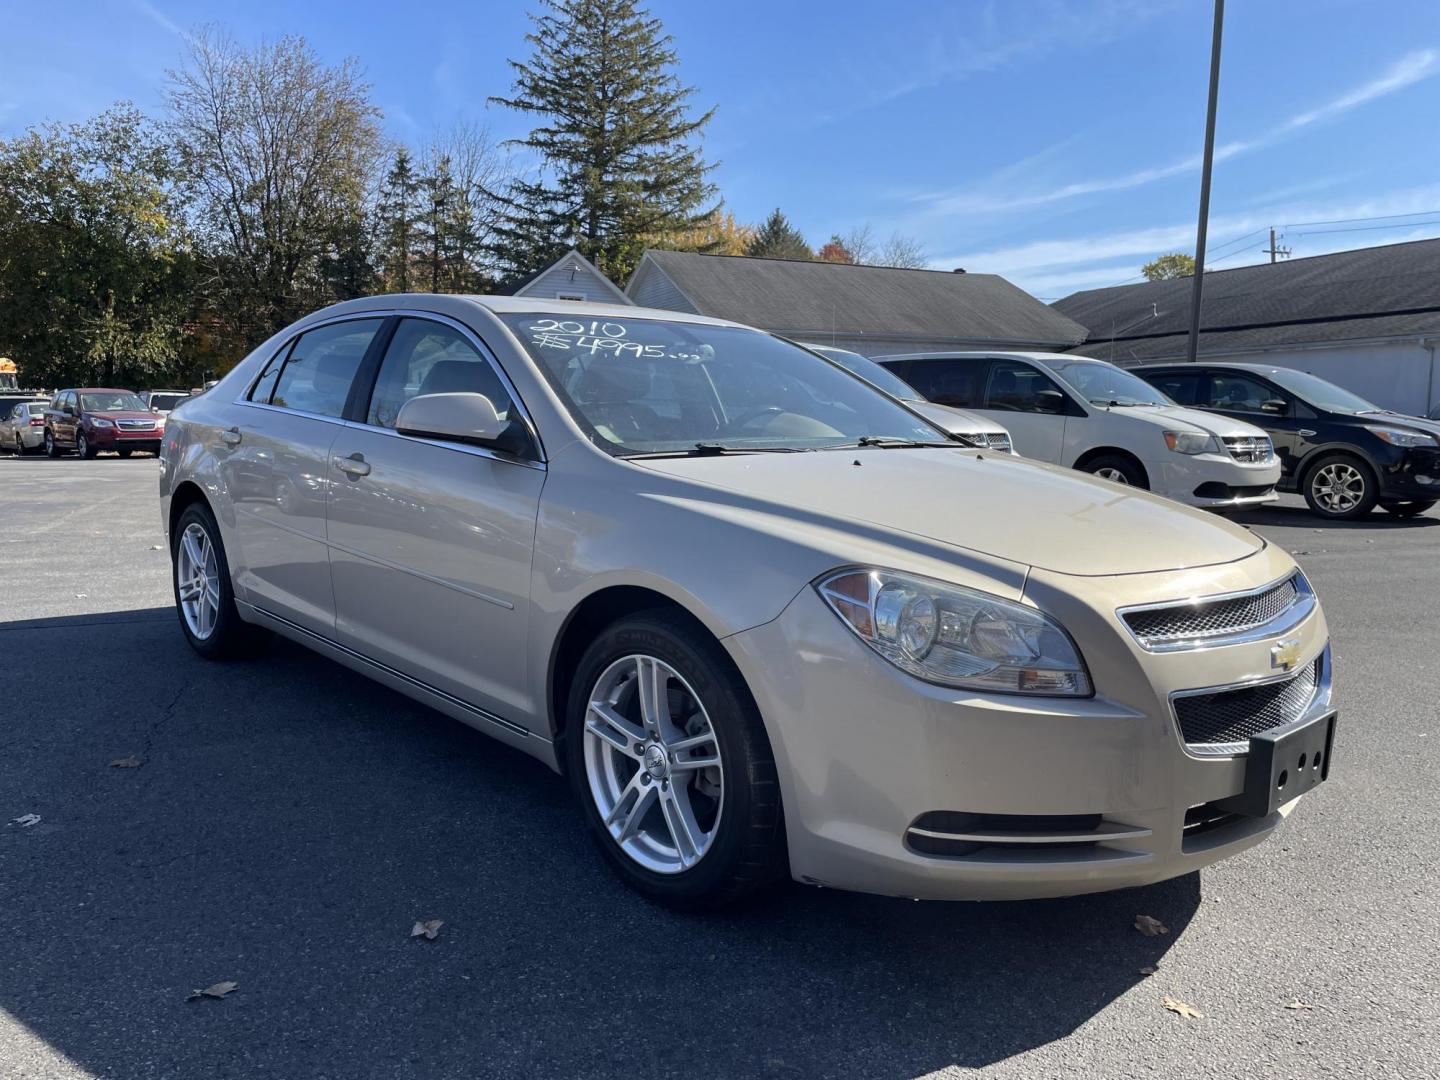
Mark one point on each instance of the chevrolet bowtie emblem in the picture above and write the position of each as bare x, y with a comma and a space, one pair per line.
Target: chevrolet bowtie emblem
1285, 653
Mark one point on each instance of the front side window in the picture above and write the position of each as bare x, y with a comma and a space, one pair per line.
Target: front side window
1105, 384
1238, 393
319, 368
1017, 387
113, 401
658, 386
948, 382
431, 358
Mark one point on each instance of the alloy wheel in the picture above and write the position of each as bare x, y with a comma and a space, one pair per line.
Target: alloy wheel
1338, 487
1114, 475
198, 580
652, 763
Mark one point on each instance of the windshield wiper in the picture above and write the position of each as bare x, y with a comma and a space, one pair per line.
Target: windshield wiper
704, 449
886, 442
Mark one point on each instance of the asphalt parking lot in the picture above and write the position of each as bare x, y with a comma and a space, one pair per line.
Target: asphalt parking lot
289, 822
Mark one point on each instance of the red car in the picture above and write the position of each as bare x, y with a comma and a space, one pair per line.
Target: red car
91, 419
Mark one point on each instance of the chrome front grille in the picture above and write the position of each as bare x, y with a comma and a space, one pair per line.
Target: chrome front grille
136, 425
1222, 721
1221, 620
1250, 450
1000, 440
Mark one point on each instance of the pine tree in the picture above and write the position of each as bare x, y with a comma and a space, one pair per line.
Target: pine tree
776, 238
438, 225
397, 212
616, 139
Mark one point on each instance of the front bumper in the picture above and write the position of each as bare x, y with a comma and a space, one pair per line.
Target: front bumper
868, 755
120, 438
1416, 476
1213, 480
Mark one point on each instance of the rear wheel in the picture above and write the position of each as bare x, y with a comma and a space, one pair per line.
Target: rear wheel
669, 759
1117, 468
1408, 509
204, 598
51, 450
1341, 487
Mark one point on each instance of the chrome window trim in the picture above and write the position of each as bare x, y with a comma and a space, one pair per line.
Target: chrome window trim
1305, 603
445, 444
1318, 705
486, 353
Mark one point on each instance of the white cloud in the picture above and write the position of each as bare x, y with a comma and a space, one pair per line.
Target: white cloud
1406, 71
155, 15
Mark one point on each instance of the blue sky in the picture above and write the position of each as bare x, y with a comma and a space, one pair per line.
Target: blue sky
1055, 142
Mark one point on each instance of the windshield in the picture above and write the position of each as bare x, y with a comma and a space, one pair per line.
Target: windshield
1325, 395
166, 402
1105, 384
112, 401
654, 386
870, 371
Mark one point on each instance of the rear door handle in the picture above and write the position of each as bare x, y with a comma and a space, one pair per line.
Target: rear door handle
353, 466
231, 436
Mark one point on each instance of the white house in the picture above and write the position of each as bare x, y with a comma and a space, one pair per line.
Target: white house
1368, 320
571, 277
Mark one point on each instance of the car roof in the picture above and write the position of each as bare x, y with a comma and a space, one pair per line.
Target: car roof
1236, 366
517, 305
987, 354
94, 390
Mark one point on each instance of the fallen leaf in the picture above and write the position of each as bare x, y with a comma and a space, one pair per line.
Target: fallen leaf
1190, 1012
1150, 926
131, 762
1148, 970
429, 929
1298, 1004
156, 547
218, 990
26, 820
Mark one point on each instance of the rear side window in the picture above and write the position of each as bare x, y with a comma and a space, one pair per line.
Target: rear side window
431, 358
319, 369
948, 382
1183, 387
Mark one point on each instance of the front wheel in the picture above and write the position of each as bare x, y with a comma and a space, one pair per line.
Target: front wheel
1408, 509
1341, 487
669, 759
83, 447
204, 598
1116, 468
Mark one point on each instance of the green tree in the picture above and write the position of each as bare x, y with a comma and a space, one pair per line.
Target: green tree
396, 212
94, 264
776, 238
616, 142
279, 150
1166, 267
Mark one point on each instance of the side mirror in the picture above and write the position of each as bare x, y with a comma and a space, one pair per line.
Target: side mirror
68, 410
1276, 406
462, 417
1050, 401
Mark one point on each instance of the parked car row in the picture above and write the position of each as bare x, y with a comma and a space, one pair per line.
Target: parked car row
87, 420
767, 618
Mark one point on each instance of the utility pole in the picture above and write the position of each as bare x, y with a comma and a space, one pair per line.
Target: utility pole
1194, 344
1273, 251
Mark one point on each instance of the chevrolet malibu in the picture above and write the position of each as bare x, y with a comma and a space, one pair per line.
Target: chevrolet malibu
706, 575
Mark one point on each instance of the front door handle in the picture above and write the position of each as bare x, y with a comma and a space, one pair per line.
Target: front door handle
230, 437
353, 466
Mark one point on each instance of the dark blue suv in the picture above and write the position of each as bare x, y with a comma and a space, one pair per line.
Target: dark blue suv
1343, 453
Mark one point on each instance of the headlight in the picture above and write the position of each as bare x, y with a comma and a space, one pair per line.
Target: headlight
954, 636
1192, 442
1402, 437
101, 422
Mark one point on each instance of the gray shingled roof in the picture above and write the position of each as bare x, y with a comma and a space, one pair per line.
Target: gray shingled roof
804, 299
1387, 291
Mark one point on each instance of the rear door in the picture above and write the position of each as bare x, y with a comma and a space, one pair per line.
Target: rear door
431, 540
66, 418
276, 468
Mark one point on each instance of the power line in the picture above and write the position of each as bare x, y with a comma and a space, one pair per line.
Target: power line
1370, 228
1372, 217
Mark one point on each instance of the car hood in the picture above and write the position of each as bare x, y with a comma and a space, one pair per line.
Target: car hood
956, 421
1177, 417
995, 504
1419, 423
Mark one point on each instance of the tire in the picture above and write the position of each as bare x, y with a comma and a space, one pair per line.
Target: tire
83, 447
223, 635
1118, 469
739, 832
1408, 509
1340, 487
51, 450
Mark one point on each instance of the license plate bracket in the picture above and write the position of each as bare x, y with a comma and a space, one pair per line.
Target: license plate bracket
1281, 765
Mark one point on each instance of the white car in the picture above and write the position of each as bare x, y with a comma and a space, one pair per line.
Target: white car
162, 401
1093, 416
971, 427
22, 428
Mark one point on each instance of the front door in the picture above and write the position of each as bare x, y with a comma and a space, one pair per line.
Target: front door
430, 540
1242, 396
1031, 405
277, 471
